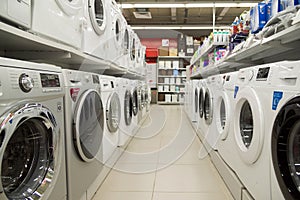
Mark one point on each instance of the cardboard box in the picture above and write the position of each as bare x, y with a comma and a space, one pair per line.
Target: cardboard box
163, 51
173, 51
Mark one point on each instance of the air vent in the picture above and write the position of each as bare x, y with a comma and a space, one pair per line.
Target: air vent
142, 13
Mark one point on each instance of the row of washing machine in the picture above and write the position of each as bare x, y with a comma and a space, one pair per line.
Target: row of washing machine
95, 27
58, 128
251, 119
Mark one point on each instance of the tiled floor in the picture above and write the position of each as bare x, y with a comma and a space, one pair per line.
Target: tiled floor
162, 163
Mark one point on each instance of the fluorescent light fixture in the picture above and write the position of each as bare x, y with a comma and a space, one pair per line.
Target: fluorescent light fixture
178, 27
186, 5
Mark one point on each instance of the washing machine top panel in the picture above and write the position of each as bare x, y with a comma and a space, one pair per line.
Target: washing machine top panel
113, 112
29, 152
74, 78
128, 108
7, 62
97, 15
285, 148
89, 125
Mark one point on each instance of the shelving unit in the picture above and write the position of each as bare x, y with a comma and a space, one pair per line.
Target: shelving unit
21, 44
171, 76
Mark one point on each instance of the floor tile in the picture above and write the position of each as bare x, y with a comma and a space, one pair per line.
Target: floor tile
123, 195
190, 196
187, 178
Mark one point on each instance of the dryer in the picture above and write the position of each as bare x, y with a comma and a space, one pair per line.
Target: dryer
126, 111
84, 122
249, 121
59, 20
17, 13
112, 105
96, 34
32, 154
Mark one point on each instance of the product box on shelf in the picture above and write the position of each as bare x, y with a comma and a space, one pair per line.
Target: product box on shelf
168, 64
258, 15
168, 98
173, 51
178, 80
163, 51
161, 64
172, 80
167, 80
190, 50
174, 98
175, 64
172, 88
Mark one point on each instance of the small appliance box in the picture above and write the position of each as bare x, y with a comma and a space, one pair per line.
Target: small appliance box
172, 89
161, 64
174, 98
167, 80
178, 80
172, 80
173, 51
175, 64
168, 64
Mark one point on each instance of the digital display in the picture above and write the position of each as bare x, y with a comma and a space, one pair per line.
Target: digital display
50, 80
263, 73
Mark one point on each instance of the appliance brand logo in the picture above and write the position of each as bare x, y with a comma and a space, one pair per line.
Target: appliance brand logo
236, 89
74, 93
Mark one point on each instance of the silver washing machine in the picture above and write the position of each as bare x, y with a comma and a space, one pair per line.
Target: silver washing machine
32, 154
84, 131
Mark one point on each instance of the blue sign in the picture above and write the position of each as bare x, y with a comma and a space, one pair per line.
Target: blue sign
236, 89
277, 96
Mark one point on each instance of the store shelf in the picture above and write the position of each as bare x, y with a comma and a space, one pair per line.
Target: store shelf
175, 57
280, 46
171, 92
171, 76
172, 68
180, 84
208, 50
20, 44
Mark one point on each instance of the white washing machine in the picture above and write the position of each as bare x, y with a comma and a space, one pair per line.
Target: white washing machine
32, 153
194, 95
117, 25
112, 105
124, 59
96, 32
249, 121
133, 56
84, 123
59, 20
135, 104
282, 129
16, 12
227, 142
201, 125
126, 111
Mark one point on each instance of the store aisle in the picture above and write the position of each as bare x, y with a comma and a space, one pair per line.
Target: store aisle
165, 161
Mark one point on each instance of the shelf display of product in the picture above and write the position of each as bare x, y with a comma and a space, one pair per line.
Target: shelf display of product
171, 76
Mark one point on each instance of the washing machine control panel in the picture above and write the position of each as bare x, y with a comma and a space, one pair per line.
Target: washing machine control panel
49, 80
262, 74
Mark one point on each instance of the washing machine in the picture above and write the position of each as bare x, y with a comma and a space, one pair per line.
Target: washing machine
252, 108
124, 59
201, 126
66, 20
116, 26
135, 105
194, 91
96, 34
84, 123
133, 56
226, 145
218, 110
126, 111
17, 13
32, 154
283, 129
112, 105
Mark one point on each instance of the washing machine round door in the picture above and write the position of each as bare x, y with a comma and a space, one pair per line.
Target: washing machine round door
97, 15
88, 120
208, 107
135, 102
223, 114
128, 108
70, 7
196, 100
286, 149
116, 28
113, 113
201, 102
248, 125
30, 150
126, 41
